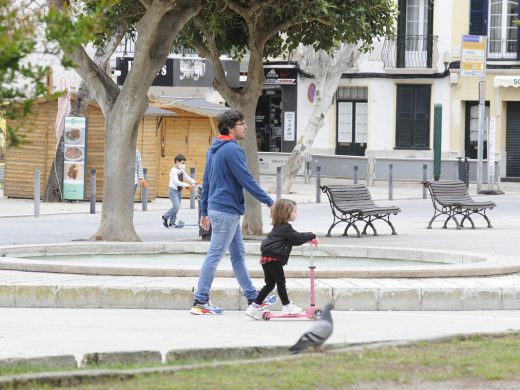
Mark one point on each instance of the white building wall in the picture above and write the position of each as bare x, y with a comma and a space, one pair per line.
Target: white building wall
322, 143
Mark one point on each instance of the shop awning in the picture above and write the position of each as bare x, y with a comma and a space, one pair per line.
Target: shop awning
156, 111
199, 106
507, 81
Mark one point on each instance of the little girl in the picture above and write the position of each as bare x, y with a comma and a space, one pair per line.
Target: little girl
276, 249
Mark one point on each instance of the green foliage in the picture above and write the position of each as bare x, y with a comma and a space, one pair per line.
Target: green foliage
26, 29
20, 81
283, 24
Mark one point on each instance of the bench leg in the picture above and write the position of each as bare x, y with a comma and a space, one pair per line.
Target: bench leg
367, 224
394, 233
354, 226
435, 215
445, 226
469, 219
487, 220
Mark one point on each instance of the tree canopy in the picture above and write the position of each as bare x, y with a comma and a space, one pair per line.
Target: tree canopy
267, 29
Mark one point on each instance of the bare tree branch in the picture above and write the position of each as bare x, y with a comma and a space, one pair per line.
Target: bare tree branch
212, 51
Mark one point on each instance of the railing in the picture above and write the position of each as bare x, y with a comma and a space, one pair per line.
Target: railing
502, 49
410, 51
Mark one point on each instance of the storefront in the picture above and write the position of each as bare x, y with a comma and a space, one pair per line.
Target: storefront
276, 119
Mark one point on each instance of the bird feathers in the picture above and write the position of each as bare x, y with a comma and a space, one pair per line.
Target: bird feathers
317, 334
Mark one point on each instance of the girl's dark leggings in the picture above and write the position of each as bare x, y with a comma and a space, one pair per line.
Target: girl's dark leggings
273, 274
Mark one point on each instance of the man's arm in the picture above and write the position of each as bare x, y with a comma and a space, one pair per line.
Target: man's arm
239, 169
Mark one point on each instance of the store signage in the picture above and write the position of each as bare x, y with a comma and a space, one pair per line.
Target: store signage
184, 72
506, 81
75, 160
289, 119
473, 61
163, 79
280, 75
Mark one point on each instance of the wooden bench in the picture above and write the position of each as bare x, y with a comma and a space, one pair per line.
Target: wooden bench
353, 204
451, 198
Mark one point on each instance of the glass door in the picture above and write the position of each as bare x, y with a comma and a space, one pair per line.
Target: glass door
416, 43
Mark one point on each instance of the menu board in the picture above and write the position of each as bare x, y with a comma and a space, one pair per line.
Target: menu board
74, 161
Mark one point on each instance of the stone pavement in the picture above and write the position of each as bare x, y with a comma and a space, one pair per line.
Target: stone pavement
92, 330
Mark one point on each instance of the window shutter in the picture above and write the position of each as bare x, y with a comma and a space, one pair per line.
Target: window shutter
478, 17
404, 116
401, 34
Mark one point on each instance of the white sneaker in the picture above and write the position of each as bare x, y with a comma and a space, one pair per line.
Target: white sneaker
253, 311
291, 308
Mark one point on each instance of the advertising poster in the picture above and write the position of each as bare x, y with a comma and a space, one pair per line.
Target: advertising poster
74, 162
289, 125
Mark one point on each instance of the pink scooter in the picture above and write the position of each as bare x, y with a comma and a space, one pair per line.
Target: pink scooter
312, 312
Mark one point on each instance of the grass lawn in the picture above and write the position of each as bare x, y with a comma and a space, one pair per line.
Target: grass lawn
473, 360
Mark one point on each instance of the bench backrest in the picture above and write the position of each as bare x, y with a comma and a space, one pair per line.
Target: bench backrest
449, 190
348, 196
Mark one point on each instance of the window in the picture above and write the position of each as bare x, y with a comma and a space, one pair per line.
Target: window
415, 33
352, 120
413, 116
503, 33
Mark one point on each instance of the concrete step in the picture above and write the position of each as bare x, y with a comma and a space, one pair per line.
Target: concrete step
369, 294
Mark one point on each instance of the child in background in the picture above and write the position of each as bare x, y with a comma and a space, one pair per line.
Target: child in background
177, 177
276, 249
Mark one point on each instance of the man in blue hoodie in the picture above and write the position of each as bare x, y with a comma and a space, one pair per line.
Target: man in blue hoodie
222, 203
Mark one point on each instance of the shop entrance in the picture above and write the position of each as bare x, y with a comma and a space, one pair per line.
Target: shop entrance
268, 120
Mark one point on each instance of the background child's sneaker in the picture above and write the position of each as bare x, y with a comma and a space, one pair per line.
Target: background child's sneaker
205, 309
291, 308
268, 301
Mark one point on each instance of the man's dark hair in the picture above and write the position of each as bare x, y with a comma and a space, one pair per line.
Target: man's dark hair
180, 157
227, 120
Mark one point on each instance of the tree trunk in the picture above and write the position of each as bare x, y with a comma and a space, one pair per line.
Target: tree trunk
53, 190
118, 189
252, 223
323, 97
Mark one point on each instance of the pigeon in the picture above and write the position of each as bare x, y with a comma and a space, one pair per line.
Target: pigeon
317, 335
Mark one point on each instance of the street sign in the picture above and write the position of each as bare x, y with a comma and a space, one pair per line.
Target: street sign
473, 61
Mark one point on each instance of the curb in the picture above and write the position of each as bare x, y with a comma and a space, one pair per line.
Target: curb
344, 297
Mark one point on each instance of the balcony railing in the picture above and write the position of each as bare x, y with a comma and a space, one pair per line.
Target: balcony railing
502, 49
410, 51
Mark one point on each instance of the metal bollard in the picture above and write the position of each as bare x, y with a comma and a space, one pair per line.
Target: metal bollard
192, 192
466, 171
93, 191
318, 184
390, 182
36, 193
424, 178
278, 182
497, 174
355, 174
144, 192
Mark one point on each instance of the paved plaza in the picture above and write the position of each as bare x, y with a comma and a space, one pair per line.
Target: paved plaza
39, 316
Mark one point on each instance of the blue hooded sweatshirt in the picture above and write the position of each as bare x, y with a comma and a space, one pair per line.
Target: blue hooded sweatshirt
225, 177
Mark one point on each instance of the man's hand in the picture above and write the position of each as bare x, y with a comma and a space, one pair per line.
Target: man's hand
143, 182
189, 187
205, 223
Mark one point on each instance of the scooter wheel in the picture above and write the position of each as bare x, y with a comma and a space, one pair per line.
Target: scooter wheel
317, 314
266, 316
